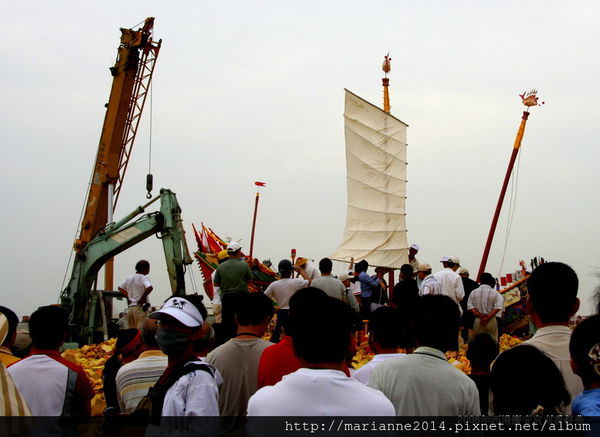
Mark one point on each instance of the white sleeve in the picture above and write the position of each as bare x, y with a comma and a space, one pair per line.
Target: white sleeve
123, 285
269, 290
146, 282
425, 290
499, 304
460, 291
470, 305
202, 395
301, 283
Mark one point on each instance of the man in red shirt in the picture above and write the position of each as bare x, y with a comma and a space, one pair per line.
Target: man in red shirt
279, 360
51, 385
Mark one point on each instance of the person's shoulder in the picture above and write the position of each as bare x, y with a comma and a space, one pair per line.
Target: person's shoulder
200, 371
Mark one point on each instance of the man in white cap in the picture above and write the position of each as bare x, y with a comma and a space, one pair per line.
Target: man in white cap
452, 285
412, 258
188, 387
429, 285
232, 278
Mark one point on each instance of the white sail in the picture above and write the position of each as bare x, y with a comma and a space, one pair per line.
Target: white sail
376, 180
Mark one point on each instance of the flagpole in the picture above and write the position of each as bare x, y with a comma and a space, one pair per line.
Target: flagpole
530, 99
258, 185
385, 81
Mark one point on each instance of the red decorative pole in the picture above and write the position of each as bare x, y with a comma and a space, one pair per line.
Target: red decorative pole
258, 184
529, 99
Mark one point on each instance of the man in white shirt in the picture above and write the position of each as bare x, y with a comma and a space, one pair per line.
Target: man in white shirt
412, 256
283, 289
486, 304
424, 383
136, 289
452, 285
551, 302
322, 339
331, 286
385, 335
429, 285
308, 267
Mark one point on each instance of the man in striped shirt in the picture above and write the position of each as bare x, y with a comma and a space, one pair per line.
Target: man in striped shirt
486, 304
134, 379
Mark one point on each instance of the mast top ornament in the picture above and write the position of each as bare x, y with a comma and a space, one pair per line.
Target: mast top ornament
530, 98
386, 67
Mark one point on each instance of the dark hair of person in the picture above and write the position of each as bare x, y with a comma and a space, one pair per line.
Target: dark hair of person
253, 309
142, 266
450, 264
482, 350
385, 326
436, 322
47, 327
285, 268
361, 266
585, 336
487, 279
149, 335
13, 321
325, 335
407, 270
325, 265
206, 342
301, 304
124, 337
553, 291
540, 383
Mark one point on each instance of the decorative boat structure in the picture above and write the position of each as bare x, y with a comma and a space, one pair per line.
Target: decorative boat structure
209, 246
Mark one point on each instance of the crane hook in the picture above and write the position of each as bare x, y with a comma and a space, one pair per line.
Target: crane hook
149, 179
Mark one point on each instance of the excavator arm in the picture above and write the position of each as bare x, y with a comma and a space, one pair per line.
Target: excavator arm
78, 298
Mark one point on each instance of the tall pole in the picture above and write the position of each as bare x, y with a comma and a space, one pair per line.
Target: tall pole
385, 81
386, 67
256, 199
529, 99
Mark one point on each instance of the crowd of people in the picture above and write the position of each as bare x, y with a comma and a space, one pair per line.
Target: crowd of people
174, 362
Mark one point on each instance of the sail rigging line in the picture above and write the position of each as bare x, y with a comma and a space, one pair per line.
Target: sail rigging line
511, 211
193, 280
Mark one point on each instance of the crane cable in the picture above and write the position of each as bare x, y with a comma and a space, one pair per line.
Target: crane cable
149, 177
83, 205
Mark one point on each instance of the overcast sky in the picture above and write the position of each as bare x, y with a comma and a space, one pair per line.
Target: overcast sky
253, 90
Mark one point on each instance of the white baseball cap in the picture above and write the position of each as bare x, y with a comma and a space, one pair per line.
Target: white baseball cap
445, 259
414, 246
182, 310
454, 259
233, 246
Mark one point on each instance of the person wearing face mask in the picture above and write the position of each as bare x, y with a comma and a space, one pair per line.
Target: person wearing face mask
188, 387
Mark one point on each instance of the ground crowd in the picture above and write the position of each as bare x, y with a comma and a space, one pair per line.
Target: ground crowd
173, 362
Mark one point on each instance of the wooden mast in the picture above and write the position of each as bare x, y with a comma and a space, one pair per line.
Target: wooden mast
529, 99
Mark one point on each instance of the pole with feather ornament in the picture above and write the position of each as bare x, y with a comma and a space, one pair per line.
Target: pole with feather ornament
529, 99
